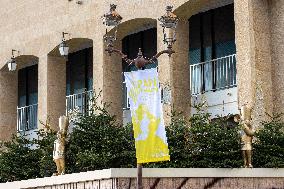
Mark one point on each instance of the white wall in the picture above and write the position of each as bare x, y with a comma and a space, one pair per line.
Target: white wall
222, 102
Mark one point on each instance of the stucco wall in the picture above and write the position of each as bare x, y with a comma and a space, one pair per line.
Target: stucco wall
34, 28
277, 55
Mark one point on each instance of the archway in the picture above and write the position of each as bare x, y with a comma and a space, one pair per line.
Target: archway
131, 33
68, 82
202, 44
19, 100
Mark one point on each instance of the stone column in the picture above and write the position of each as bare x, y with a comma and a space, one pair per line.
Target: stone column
112, 82
164, 69
174, 72
180, 71
277, 55
253, 57
98, 64
51, 89
8, 104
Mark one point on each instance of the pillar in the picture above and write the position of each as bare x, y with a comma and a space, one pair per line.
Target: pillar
277, 57
253, 57
112, 82
180, 71
8, 104
164, 71
51, 89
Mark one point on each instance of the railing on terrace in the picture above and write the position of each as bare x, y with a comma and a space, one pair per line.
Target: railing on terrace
213, 75
27, 118
81, 101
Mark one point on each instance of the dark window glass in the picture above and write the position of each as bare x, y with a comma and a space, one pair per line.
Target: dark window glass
147, 40
79, 71
28, 86
194, 39
212, 34
33, 84
22, 85
224, 31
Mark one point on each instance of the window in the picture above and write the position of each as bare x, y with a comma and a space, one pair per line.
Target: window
79, 72
28, 86
147, 40
212, 36
27, 98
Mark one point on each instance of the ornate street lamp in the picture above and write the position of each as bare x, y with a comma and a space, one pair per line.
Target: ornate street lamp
12, 64
168, 22
111, 20
63, 47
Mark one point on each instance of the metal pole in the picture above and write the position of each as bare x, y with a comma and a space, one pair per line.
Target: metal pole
139, 176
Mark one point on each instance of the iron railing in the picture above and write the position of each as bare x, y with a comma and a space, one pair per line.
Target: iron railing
81, 101
27, 118
213, 75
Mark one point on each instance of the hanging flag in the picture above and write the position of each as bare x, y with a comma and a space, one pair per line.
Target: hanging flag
147, 116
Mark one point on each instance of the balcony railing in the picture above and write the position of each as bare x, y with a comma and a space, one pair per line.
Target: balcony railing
213, 75
27, 118
81, 101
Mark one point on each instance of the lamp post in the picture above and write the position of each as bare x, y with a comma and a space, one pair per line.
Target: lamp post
63, 47
169, 23
12, 64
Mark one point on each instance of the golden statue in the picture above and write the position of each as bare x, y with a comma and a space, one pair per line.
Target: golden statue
59, 146
246, 135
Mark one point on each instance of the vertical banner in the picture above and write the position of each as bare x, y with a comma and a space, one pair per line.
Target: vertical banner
147, 116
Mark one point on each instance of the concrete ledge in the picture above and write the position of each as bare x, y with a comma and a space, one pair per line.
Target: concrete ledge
198, 172
147, 173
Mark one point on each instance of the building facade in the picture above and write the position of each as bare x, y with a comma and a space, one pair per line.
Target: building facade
228, 52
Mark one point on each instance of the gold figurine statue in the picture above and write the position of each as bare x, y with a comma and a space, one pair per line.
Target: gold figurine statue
59, 146
246, 135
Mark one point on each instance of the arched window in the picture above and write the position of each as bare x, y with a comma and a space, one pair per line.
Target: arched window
147, 40
212, 49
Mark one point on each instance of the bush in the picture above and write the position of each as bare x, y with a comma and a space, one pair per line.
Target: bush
18, 161
45, 145
97, 142
201, 142
214, 143
269, 146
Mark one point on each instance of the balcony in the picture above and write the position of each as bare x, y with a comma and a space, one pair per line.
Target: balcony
215, 80
81, 101
213, 75
27, 118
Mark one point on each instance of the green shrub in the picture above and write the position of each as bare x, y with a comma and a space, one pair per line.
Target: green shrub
45, 145
201, 142
269, 146
18, 161
97, 142
214, 143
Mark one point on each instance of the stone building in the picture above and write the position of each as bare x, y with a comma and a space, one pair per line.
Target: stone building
229, 51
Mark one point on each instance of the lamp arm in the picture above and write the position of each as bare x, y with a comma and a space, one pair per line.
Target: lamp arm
168, 51
123, 56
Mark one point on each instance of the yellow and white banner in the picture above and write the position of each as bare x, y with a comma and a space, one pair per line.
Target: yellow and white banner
147, 116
